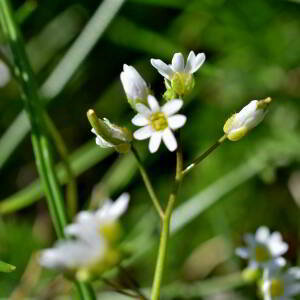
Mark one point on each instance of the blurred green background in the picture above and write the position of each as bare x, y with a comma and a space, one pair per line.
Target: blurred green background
252, 51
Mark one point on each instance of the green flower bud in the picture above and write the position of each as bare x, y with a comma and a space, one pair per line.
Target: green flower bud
239, 124
251, 275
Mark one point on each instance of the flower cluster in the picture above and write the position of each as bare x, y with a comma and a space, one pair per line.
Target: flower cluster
91, 247
264, 254
159, 122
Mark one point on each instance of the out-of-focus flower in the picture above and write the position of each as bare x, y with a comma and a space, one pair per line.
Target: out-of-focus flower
134, 86
263, 249
109, 135
280, 285
158, 123
93, 248
103, 220
239, 124
179, 77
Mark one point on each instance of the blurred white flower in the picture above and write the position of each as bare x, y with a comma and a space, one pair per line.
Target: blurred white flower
263, 249
158, 123
239, 124
88, 224
92, 249
134, 86
179, 77
280, 285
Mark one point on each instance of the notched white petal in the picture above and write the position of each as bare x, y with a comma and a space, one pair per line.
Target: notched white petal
197, 62
155, 141
153, 103
162, 68
143, 109
178, 63
172, 107
169, 139
143, 133
139, 120
176, 121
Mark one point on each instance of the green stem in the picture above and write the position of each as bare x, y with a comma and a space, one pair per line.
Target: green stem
204, 155
148, 183
162, 251
35, 113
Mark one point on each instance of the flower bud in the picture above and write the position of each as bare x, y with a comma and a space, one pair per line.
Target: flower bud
239, 124
108, 134
251, 275
134, 86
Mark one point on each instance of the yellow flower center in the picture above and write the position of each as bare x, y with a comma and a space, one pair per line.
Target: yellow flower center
261, 253
276, 288
158, 121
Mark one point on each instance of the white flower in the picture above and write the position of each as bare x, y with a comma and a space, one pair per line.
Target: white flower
134, 85
238, 125
92, 246
158, 123
87, 224
263, 249
194, 62
279, 285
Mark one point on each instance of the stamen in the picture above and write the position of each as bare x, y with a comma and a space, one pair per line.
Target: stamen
158, 121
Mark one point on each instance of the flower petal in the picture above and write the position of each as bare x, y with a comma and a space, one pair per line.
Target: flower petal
143, 109
194, 62
162, 68
143, 133
119, 206
262, 234
101, 142
242, 252
190, 61
176, 121
140, 120
169, 139
153, 103
178, 63
155, 141
276, 245
172, 107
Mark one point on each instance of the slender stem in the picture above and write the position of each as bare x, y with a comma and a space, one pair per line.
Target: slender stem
203, 155
148, 183
40, 141
162, 251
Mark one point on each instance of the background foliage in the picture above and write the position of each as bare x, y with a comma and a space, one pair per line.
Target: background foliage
252, 50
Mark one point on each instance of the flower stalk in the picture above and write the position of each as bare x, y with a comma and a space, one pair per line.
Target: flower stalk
164, 237
148, 184
40, 141
191, 166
